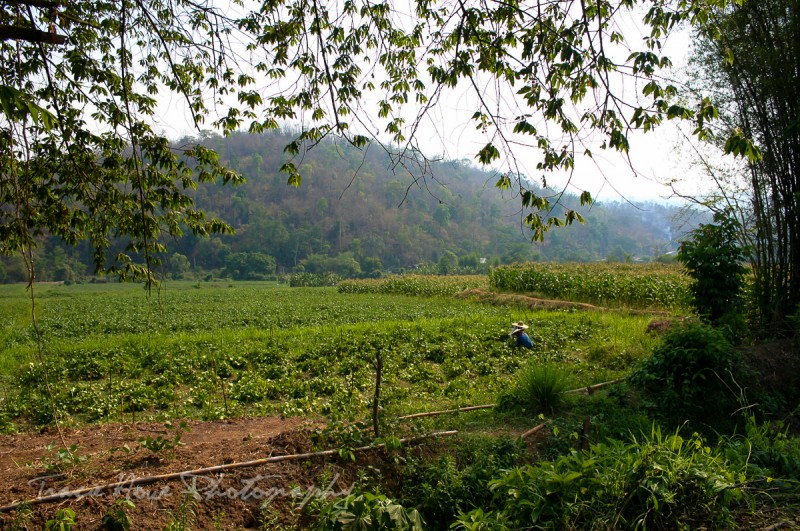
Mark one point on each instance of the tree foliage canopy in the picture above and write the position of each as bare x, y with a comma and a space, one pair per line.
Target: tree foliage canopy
749, 70
81, 157
713, 257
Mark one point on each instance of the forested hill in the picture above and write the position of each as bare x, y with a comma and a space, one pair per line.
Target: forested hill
358, 202
358, 213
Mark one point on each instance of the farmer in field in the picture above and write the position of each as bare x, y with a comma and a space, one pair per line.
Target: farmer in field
521, 338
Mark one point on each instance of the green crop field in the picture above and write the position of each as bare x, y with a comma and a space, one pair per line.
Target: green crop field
111, 353
215, 350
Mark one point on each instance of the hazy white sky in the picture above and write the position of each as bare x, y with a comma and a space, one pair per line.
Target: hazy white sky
655, 157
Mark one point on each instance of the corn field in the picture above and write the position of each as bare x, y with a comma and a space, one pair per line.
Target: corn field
637, 285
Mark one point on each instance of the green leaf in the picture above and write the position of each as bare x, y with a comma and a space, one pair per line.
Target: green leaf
504, 182
488, 154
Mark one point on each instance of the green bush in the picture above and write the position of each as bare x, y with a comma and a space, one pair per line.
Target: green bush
766, 448
367, 512
714, 259
691, 375
653, 483
459, 480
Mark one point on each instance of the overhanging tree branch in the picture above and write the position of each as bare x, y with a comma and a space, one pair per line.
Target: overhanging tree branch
30, 35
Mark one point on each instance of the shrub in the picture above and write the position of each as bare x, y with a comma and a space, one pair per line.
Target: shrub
713, 257
367, 512
766, 448
459, 480
691, 374
653, 483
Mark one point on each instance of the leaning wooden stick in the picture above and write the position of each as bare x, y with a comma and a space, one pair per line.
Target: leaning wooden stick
534, 429
585, 390
592, 388
434, 413
123, 486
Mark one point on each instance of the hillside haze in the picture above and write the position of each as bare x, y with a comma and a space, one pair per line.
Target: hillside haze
361, 202
360, 213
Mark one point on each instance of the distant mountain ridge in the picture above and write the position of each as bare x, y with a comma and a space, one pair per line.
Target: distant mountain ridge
358, 212
358, 201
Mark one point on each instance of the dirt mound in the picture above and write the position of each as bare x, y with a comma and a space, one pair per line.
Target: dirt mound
36, 465
513, 299
778, 366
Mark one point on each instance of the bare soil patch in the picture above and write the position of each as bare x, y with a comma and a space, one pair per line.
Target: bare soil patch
31, 467
536, 303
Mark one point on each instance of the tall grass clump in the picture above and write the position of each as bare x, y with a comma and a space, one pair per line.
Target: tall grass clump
539, 387
654, 482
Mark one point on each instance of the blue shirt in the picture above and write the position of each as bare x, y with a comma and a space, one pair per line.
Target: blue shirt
523, 340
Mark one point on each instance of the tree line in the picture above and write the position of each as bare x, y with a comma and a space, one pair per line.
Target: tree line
354, 216
83, 159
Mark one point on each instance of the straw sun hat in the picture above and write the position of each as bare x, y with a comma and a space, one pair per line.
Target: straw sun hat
519, 326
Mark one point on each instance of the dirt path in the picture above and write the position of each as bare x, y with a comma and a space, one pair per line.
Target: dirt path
533, 303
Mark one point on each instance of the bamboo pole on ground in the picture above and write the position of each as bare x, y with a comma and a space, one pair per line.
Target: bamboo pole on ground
592, 388
534, 430
122, 486
434, 413
585, 390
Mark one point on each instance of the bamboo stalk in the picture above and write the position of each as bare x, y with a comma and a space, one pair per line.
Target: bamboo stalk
125, 485
444, 412
592, 388
534, 429
585, 390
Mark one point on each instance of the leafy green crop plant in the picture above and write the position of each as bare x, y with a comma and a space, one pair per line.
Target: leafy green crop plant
117, 517
654, 482
367, 512
63, 521
59, 460
169, 444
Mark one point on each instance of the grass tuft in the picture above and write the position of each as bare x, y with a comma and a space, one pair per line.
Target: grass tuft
542, 387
